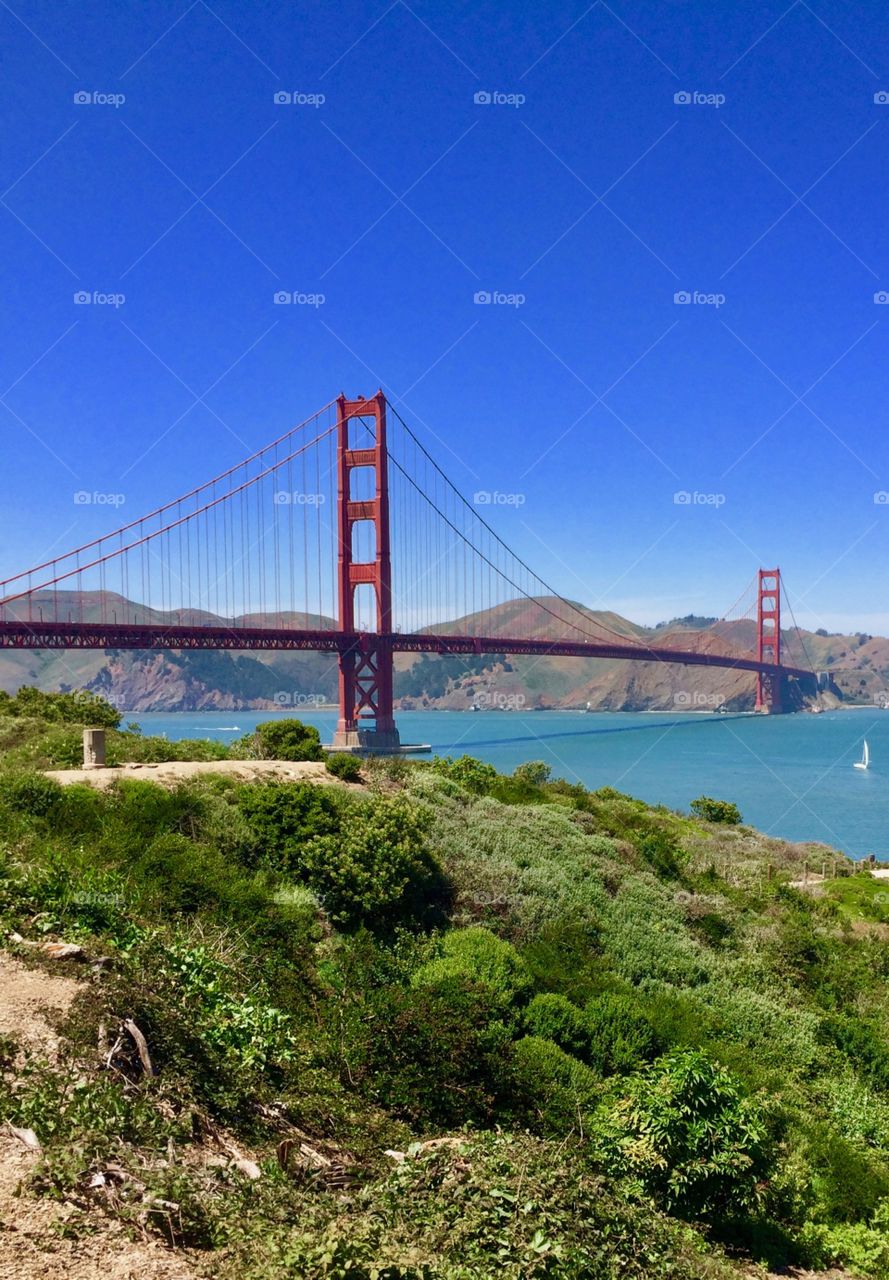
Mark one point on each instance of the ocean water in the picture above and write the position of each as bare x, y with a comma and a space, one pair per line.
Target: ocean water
791, 776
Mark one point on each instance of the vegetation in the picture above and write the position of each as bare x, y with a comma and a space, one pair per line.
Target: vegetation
344, 766
465, 1024
282, 740
716, 810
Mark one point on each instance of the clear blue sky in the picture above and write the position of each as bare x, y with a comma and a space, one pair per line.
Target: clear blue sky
400, 197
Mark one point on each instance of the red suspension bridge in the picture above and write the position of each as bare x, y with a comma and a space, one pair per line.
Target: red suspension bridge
345, 536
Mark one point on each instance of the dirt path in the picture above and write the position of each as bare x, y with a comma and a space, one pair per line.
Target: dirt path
174, 771
42, 1239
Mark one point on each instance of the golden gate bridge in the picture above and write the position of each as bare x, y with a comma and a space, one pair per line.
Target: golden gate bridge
344, 535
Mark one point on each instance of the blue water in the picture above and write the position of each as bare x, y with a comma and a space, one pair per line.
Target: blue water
791, 776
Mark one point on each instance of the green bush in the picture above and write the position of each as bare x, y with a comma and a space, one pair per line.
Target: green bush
619, 1036
477, 955
435, 1055
687, 1136
30, 793
284, 740
534, 772
557, 1089
661, 850
344, 766
376, 869
281, 819
552, 1017
710, 810
78, 707
471, 774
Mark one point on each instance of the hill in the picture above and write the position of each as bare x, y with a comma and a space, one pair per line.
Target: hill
195, 680
442, 1026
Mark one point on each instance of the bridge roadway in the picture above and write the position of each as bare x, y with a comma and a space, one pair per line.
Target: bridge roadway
102, 635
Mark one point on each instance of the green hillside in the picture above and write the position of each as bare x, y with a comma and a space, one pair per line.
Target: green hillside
445, 1025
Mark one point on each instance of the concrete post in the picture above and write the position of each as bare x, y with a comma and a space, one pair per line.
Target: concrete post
93, 748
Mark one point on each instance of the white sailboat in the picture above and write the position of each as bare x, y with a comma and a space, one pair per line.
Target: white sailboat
864, 762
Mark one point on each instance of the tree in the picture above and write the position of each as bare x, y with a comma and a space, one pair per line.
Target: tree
534, 772
711, 810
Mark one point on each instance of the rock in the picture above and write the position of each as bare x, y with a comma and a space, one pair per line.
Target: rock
63, 951
27, 1136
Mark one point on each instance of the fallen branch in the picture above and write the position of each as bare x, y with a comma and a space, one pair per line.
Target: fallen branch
141, 1045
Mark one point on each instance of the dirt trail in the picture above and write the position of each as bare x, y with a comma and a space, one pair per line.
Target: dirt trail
174, 771
42, 1239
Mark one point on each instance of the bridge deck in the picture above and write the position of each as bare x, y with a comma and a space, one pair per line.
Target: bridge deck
86, 635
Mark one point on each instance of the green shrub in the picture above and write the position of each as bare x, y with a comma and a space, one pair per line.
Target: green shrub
30, 793
844, 1180
471, 774
686, 1135
344, 766
710, 810
534, 772
661, 850
435, 1055
184, 876
863, 1042
552, 1017
281, 819
376, 870
619, 1036
555, 1087
284, 740
477, 955
78, 707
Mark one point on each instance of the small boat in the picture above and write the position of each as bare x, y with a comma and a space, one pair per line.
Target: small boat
864, 762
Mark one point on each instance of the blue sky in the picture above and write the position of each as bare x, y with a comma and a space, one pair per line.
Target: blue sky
583, 186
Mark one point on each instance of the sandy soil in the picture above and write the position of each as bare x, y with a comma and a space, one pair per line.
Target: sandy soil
42, 1239
175, 770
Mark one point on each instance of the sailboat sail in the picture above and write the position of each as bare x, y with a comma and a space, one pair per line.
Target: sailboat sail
865, 758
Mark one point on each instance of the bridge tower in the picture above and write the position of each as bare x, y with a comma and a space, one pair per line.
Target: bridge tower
768, 640
366, 720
